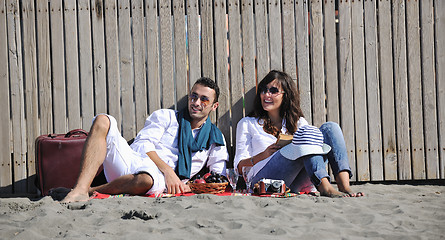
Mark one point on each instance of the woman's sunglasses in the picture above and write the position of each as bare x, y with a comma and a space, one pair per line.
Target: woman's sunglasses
204, 100
273, 90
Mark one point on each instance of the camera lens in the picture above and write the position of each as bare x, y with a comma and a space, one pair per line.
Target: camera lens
276, 185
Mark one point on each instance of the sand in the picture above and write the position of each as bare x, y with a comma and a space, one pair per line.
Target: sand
388, 211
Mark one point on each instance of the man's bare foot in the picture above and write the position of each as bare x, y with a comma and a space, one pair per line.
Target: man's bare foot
75, 196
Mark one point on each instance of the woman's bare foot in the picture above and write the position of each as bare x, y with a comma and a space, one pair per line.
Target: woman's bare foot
349, 193
326, 189
76, 196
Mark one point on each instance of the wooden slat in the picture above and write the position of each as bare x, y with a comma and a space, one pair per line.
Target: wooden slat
359, 83
439, 23
168, 89
373, 92
86, 63
58, 68
276, 44
194, 49
140, 80
303, 69
154, 87
17, 97
262, 39
236, 74
181, 80
112, 54
44, 68
5, 120
207, 45
429, 90
289, 51
346, 81
208, 68
222, 77
126, 65
415, 89
317, 64
401, 87
30, 72
72, 63
332, 102
248, 51
387, 90
99, 64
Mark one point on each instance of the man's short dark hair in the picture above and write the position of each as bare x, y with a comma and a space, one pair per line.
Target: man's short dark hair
207, 82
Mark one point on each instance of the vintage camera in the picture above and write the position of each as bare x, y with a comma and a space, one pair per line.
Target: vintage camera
271, 186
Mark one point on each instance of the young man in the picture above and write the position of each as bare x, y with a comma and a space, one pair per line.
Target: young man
171, 148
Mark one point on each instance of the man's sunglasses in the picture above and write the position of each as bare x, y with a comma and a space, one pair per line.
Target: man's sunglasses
204, 100
272, 90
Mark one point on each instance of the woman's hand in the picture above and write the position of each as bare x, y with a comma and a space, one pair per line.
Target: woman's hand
270, 150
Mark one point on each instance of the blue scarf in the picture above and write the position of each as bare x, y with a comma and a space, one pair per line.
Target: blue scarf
208, 135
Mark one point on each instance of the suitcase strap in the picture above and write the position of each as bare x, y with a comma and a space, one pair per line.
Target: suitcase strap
75, 132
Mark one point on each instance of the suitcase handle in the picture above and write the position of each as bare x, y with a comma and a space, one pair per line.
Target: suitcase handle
76, 131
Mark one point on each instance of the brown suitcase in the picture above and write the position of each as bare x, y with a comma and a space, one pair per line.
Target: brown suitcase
58, 159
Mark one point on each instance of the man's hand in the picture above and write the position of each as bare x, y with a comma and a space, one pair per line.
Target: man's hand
174, 184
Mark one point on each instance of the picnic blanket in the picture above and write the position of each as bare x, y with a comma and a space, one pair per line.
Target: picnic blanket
97, 195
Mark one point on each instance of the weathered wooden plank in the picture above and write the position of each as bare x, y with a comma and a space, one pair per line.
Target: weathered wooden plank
222, 77
429, 90
236, 74
276, 44
5, 120
140, 80
168, 93
181, 80
154, 84
112, 54
303, 69
126, 65
99, 64
346, 81
248, 51
332, 102
72, 63
85, 63
317, 64
439, 23
415, 89
44, 68
289, 50
373, 92
387, 90
207, 45
401, 89
262, 39
58, 68
17, 96
208, 68
359, 83
30, 87
193, 34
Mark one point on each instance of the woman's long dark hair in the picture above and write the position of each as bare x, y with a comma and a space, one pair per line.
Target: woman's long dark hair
290, 107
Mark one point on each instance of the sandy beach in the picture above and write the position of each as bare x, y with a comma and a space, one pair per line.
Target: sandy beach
388, 211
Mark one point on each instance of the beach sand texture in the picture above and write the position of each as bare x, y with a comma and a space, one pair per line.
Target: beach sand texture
388, 211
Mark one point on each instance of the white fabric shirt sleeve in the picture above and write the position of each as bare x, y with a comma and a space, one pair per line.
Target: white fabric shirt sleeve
243, 142
154, 128
218, 157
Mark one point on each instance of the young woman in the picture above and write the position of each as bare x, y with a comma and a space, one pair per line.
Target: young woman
301, 164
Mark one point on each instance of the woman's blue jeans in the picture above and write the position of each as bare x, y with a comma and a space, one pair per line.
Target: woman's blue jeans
302, 174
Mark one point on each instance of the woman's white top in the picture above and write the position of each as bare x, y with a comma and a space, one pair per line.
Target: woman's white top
251, 139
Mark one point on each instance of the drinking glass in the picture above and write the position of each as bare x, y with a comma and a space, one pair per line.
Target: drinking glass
233, 177
246, 170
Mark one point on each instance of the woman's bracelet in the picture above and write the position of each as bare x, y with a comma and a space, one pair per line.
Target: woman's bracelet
251, 161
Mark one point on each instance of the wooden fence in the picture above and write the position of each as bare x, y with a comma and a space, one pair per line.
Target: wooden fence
375, 66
